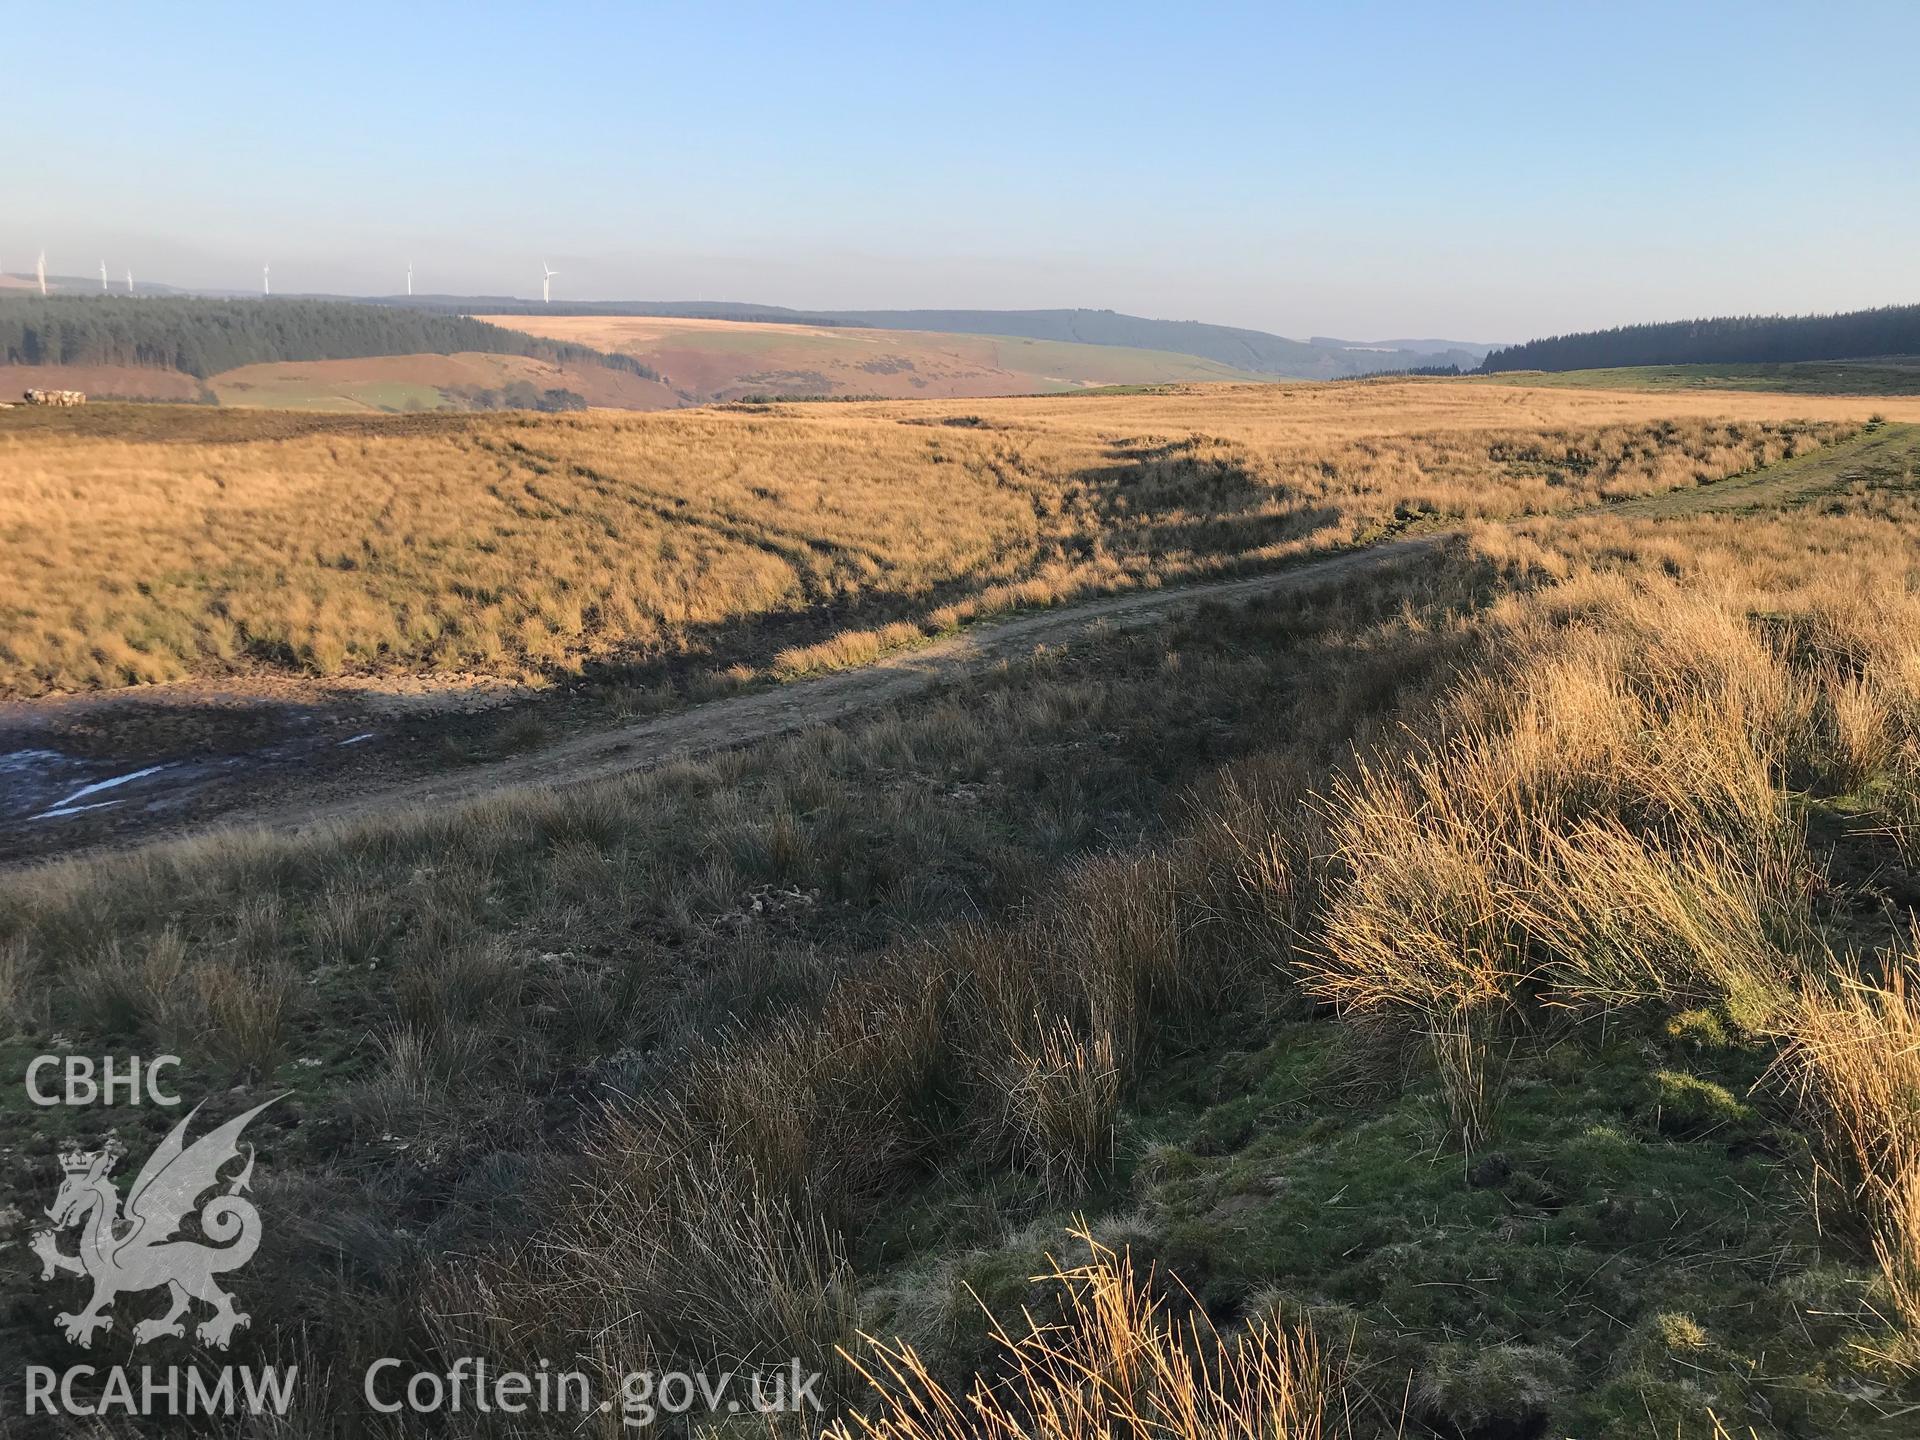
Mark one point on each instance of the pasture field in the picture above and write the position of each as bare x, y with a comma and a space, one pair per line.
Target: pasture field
152, 544
371, 385
298, 387
1472, 997
730, 360
393, 384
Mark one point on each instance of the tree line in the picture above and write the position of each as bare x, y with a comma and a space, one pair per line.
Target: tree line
1736, 339
205, 337
1428, 370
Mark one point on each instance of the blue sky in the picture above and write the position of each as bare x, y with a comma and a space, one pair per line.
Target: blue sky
1365, 170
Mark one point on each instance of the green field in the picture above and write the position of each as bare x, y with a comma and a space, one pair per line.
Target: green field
1889, 375
301, 393
1116, 364
1882, 458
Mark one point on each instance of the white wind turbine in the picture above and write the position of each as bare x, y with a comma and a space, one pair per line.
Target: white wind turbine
409, 277
130, 280
103, 277
266, 280
546, 283
40, 270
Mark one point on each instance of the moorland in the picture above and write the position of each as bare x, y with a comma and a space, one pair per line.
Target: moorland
164, 544
1468, 997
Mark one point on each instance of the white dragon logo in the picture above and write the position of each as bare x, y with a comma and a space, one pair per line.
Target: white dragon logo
140, 1249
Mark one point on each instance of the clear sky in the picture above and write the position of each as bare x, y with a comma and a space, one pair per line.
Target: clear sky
1474, 171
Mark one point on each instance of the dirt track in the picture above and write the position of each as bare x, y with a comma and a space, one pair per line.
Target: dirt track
717, 725
740, 720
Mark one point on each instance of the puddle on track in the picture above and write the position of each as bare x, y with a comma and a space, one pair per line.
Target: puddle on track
48, 785
41, 786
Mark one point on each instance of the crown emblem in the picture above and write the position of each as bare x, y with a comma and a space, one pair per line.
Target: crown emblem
79, 1162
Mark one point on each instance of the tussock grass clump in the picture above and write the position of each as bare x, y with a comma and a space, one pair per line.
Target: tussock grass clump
1596, 815
1855, 1043
1116, 1366
1059, 1101
232, 1007
1052, 1018
845, 650
1584, 830
19, 987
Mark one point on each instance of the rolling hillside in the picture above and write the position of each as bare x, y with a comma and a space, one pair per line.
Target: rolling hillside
1320, 358
305, 354
733, 360
1255, 351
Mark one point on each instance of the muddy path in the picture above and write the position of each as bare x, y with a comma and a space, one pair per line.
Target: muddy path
312, 770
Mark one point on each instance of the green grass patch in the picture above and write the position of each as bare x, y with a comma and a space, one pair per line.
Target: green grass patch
301, 393
1634, 1246
1892, 375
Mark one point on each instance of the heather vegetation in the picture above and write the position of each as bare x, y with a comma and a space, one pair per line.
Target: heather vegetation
1471, 998
144, 547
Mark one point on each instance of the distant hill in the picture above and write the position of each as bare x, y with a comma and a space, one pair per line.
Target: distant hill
17, 282
1738, 340
1254, 350
1249, 351
711, 359
202, 338
306, 353
1467, 354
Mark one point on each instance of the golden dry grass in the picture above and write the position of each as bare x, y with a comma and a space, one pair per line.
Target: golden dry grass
1563, 773
1857, 1048
1116, 1366
520, 546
